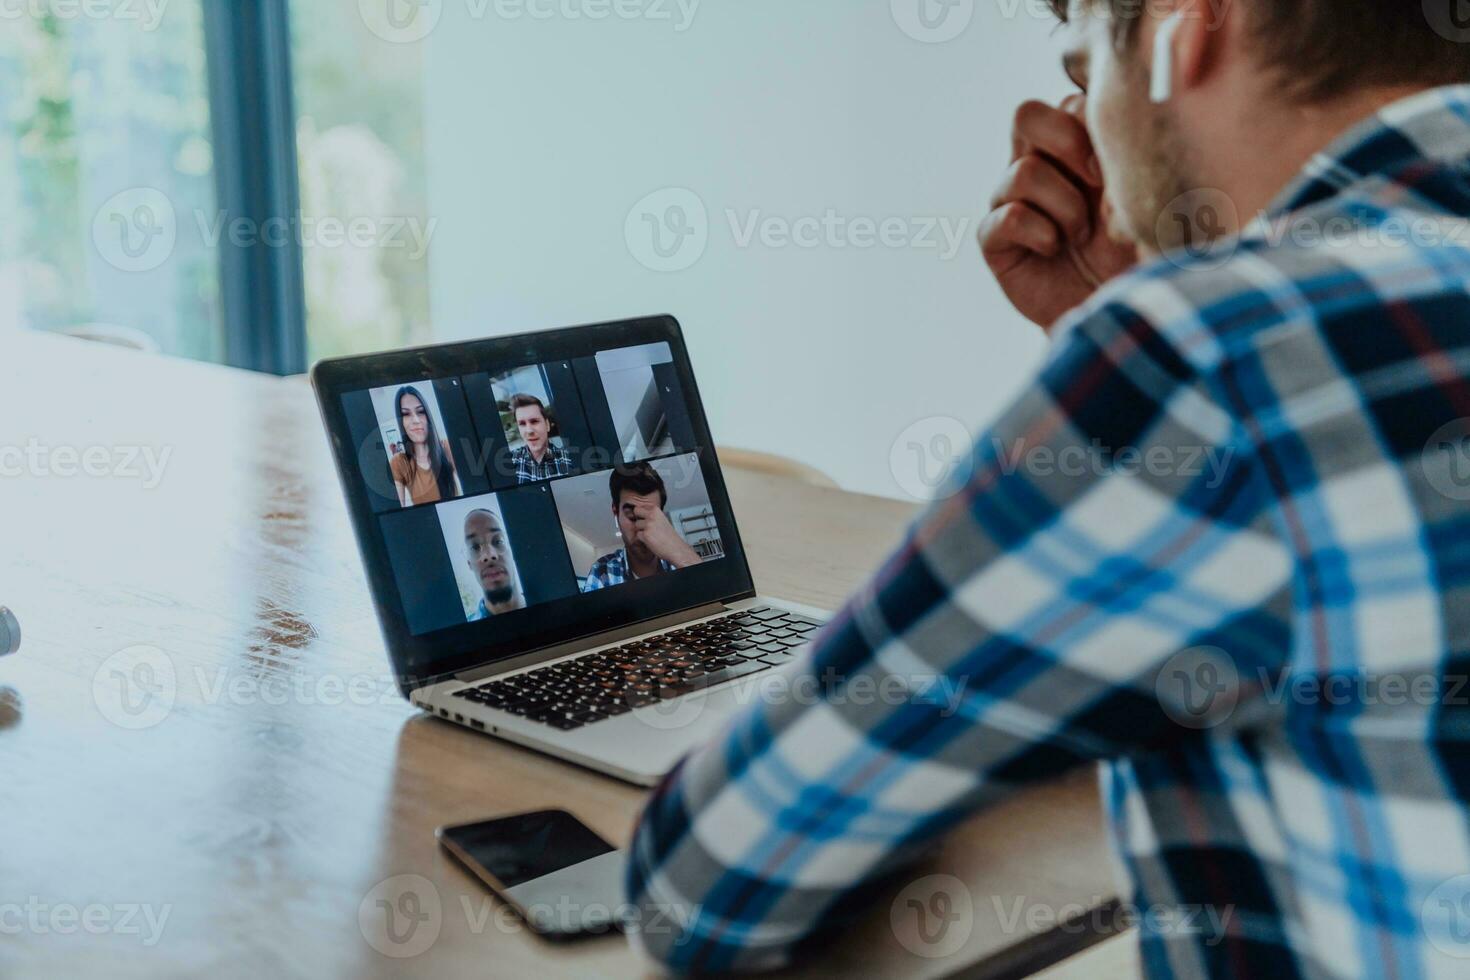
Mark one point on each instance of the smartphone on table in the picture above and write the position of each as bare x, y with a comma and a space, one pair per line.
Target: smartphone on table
560, 876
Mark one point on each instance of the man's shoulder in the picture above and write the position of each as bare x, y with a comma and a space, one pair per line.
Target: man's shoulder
605, 571
607, 561
1302, 272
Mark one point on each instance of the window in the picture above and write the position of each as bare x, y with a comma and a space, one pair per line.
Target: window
365, 227
106, 176
159, 185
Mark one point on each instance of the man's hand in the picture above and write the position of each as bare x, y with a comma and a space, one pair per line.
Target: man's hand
655, 531
1045, 238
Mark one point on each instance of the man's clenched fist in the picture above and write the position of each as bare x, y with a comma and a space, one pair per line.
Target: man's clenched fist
1045, 237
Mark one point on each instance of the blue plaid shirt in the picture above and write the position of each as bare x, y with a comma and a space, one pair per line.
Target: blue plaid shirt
610, 570
1248, 597
554, 462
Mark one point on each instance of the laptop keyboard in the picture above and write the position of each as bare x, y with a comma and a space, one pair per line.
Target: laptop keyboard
603, 685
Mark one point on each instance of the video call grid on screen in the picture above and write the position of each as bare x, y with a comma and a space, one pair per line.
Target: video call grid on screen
485, 527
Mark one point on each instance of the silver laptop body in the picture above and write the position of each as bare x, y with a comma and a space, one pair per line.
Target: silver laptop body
479, 543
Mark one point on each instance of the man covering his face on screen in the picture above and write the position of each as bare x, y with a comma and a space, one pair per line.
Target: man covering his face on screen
487, 551
651, 546
538, 459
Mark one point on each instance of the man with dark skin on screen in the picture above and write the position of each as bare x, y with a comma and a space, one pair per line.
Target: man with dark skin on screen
1247, 235
487, 552
651, 546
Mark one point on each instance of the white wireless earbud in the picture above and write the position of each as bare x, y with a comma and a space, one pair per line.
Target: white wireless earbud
1161, 88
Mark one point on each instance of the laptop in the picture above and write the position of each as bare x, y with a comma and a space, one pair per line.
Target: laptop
549, 543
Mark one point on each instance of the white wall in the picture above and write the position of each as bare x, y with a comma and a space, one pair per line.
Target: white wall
543, 134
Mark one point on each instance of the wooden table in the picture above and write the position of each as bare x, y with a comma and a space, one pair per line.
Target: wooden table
273, 778
1117, 958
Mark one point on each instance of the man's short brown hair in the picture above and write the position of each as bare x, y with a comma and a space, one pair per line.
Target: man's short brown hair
1325, 47
518, 402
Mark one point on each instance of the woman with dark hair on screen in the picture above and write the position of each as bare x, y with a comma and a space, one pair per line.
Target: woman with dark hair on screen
424, 471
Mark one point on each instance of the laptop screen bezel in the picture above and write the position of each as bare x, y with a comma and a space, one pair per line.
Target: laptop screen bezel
419, 660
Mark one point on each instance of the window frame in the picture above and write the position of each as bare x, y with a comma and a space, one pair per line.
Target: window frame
253, 119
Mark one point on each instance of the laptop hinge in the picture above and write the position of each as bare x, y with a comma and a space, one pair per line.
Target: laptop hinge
589, 643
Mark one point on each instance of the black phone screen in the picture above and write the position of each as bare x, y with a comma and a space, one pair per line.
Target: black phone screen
520, 849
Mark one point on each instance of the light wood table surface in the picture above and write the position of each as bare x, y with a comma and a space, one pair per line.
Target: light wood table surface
205, 769
1115, 959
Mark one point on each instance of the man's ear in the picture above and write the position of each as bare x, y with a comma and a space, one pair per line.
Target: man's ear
1199, 40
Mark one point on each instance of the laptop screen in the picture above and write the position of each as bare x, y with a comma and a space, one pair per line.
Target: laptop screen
517, 493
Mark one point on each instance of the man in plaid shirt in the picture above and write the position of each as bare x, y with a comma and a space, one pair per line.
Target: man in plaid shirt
539, 459
610, 570
1267, 654
651, 546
